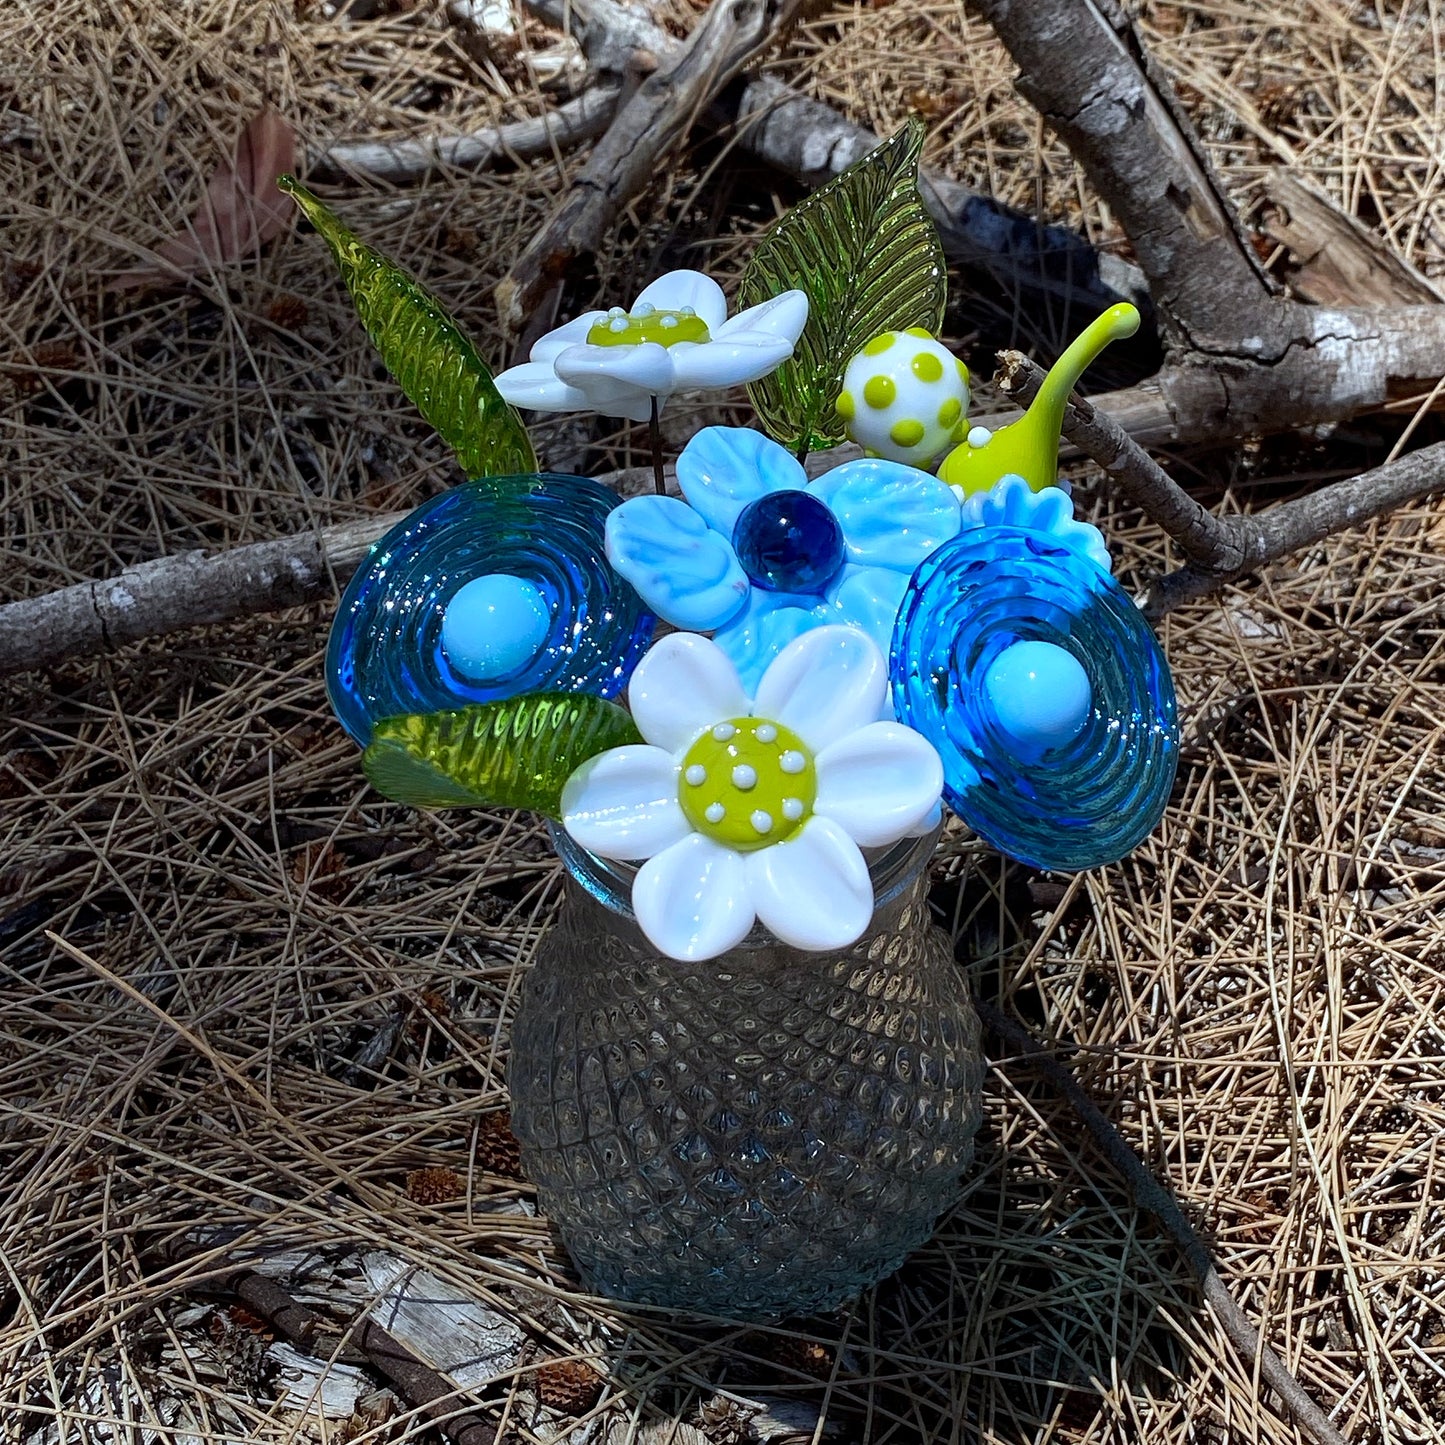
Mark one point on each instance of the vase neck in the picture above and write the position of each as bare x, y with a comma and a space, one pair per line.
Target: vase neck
893, 869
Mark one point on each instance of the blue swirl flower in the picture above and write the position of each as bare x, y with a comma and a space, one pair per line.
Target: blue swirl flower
495, 588
1043, 689
759, 555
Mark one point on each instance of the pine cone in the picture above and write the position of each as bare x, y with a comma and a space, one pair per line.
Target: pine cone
570, 1386
497, 1149
434, 1186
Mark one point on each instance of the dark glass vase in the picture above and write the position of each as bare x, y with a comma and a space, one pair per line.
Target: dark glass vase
760, 1135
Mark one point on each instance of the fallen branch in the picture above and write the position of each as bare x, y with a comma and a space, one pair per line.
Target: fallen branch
810, 142
1220, 549
1240, 357
191, 589
642, 135
581, 119
1150, 1194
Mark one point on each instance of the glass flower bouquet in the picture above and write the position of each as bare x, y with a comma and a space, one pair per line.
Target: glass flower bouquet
746, 1071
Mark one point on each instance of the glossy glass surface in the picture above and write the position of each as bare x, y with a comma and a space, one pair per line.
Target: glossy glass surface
386, 657
757, 1136
789, 542
1088, 801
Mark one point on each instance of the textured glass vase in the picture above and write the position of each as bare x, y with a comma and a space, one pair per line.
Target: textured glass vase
760, 1135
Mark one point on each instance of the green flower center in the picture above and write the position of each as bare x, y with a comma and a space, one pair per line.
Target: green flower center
748, 783
647, 323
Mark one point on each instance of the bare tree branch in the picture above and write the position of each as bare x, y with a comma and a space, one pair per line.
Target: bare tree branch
642, 135
580, 119
811, 142
1240, 357
1150, 1194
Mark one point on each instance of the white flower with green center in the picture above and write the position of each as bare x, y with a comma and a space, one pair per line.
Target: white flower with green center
755, 811
676, 336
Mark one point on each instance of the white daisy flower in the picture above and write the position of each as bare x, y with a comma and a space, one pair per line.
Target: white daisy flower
755, 811
677, 335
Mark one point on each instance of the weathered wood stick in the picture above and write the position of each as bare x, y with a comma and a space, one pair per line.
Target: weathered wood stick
580, 119
1220, 549
642, 135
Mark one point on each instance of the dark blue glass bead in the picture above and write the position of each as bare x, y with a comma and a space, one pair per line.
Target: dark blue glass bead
788, 542
1102, 789
386, 656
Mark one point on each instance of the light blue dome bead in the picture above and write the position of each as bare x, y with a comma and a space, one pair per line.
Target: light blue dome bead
1040, 695
494, 625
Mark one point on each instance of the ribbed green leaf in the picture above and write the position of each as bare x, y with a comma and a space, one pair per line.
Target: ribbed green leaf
865, 250
512, 754
434, 363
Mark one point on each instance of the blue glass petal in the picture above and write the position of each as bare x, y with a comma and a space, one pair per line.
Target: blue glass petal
1011, 502
1079, 805
687, 573
891, 515
723, 468
769, 622
869, 598
385, 657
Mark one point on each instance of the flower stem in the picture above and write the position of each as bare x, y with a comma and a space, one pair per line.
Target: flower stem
654, 432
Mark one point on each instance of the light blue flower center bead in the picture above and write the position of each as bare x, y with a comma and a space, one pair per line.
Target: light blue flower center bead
494, 625
1040, 695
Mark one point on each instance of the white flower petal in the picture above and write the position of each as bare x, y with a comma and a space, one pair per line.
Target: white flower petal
623, 803
879, 783
645, 368
688, 288
743, 356
813, 891
826, 684
536, 386
692, 900
681, 687
571, 333
782, 316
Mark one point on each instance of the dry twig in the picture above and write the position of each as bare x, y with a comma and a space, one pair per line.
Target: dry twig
641, 137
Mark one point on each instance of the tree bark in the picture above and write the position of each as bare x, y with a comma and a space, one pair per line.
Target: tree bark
1240, 358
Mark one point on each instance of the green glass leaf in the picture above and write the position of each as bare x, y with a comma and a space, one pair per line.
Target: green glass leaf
425, 350
512, 754
865, 250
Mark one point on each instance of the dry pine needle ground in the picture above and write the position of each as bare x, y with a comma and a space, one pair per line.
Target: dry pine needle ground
1253, 997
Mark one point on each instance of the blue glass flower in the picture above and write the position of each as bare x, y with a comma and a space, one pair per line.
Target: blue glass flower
1044, 690
495, 588
758, 555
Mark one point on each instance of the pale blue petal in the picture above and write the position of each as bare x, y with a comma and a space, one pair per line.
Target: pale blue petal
891, 515
769, 622
869, 598
723, 468
685, 573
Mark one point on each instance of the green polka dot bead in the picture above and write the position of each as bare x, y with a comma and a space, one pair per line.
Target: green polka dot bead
903, 396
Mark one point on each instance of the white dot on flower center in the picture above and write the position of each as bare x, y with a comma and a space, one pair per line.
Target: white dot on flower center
616, 311
668, 323
979, 436
762, 822
723, 731
689, 310
792, 809
745, 776
696, 775
792, 761
617, 324
714, 812
643, 308
765, 733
